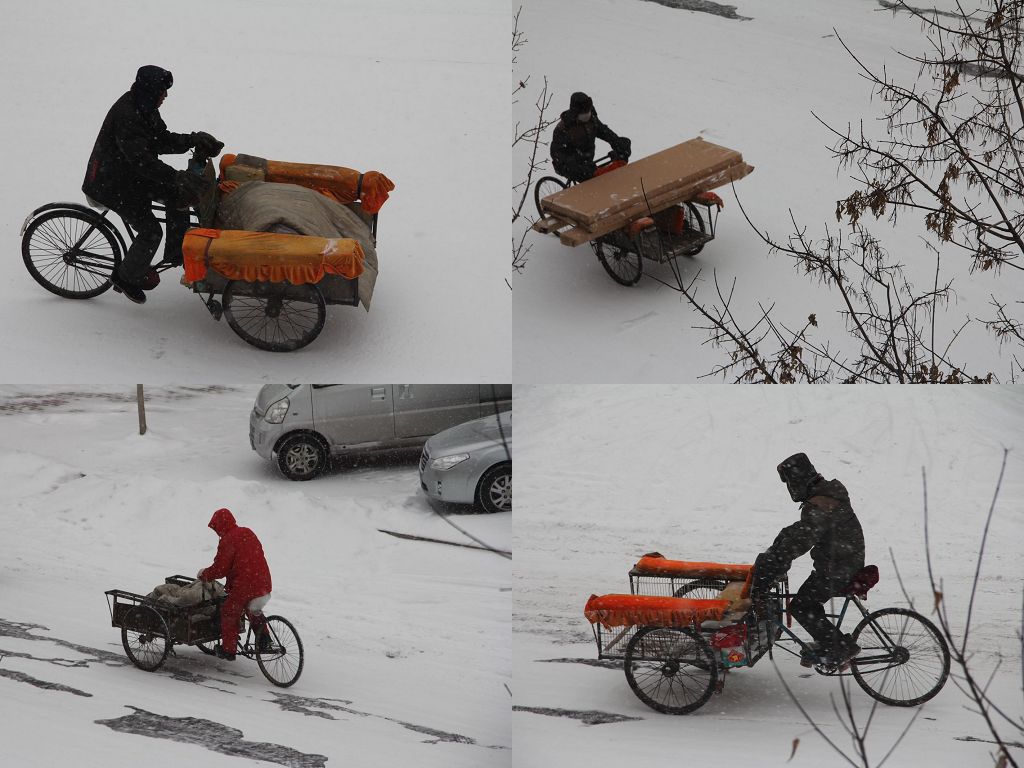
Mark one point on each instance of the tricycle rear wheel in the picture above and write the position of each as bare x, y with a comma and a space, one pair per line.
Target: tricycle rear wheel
671, 670
625, 267
903, 659
282, 662
146, 642
694, 221
547, 185
278, 317
71, 253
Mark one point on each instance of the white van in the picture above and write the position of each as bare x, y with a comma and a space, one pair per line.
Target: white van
303, 425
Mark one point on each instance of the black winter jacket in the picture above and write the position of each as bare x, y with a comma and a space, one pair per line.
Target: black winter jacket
572, 145
828, 528
124, 166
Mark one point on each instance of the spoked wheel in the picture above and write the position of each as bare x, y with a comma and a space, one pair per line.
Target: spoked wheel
281, 663
547, 185
71, 253
670, 670
206, 648
701, 589
625, 267
904, 660
146, 643
694, 223
278, 317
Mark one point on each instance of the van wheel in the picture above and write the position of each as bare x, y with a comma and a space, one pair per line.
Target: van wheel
301, 457
494, 491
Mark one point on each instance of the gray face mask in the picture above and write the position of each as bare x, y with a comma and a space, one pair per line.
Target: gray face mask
583, 117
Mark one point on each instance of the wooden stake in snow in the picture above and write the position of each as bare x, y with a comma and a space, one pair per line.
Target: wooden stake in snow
142, 408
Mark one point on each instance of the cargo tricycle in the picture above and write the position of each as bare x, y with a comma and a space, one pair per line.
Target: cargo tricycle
686, 625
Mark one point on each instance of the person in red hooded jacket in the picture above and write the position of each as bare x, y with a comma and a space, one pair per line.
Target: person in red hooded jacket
241, 561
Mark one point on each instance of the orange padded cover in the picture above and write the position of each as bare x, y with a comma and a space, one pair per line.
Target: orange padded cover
656, 565
627, 610
342, 184
267, 256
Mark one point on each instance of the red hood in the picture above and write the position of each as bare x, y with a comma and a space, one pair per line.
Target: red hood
223, 521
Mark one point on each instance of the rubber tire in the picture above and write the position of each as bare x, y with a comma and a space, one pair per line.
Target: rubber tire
281, 683
633, 262
931, 629
699, 222
489, 478
545, 186
102, 227
704, 649
286, 343
207, 649
152, 617
701, 589
307, 444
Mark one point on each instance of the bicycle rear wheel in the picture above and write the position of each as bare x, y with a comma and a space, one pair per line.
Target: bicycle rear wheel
670, 670
71, 253
281, 663
701, 589
903, 661
547, 185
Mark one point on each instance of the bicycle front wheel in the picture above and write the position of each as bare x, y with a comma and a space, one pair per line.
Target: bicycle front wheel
281, 662
903, 661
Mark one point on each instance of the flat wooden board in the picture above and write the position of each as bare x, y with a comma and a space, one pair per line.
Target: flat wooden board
646, 186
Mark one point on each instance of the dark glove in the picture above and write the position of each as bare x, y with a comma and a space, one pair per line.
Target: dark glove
206, 144
188, 188
623, 148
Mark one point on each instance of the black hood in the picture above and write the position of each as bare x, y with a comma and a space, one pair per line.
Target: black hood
150, 83
799, 475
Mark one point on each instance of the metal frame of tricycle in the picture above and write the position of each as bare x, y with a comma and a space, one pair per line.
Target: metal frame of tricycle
175, 617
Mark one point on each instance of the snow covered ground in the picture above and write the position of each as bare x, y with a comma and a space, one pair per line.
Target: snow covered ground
662, 75
408, 657
608, 473
410, 89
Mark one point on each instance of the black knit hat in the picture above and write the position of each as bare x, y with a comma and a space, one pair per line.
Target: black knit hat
579, 103
150, 83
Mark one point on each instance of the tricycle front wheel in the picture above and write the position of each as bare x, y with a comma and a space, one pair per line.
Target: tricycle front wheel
625, 267
278, 317
547, 185
146, 642
671, 670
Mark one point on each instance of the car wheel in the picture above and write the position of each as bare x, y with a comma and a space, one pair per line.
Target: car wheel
301, 457
494, 491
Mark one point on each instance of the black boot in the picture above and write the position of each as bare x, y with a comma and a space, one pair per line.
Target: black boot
131, 291
222, 654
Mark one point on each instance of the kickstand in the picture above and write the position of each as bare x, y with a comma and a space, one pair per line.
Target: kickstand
215, 307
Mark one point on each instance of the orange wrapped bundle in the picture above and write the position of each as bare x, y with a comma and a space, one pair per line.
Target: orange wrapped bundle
342, 184
628, 610
268, 256
655, 564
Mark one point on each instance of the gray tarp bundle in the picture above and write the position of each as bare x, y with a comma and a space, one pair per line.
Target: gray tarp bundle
258, 206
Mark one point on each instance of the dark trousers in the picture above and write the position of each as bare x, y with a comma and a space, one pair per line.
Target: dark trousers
808, 607
139, 216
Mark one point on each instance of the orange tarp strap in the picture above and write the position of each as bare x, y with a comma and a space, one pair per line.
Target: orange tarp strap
342, 184
657, 565
627, 610
268, 256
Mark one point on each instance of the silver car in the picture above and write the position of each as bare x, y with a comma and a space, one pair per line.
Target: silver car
304, 425
471, 464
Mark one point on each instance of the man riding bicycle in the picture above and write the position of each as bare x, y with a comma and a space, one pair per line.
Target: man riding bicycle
126, 176
572, 144
831, 531
241, 561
